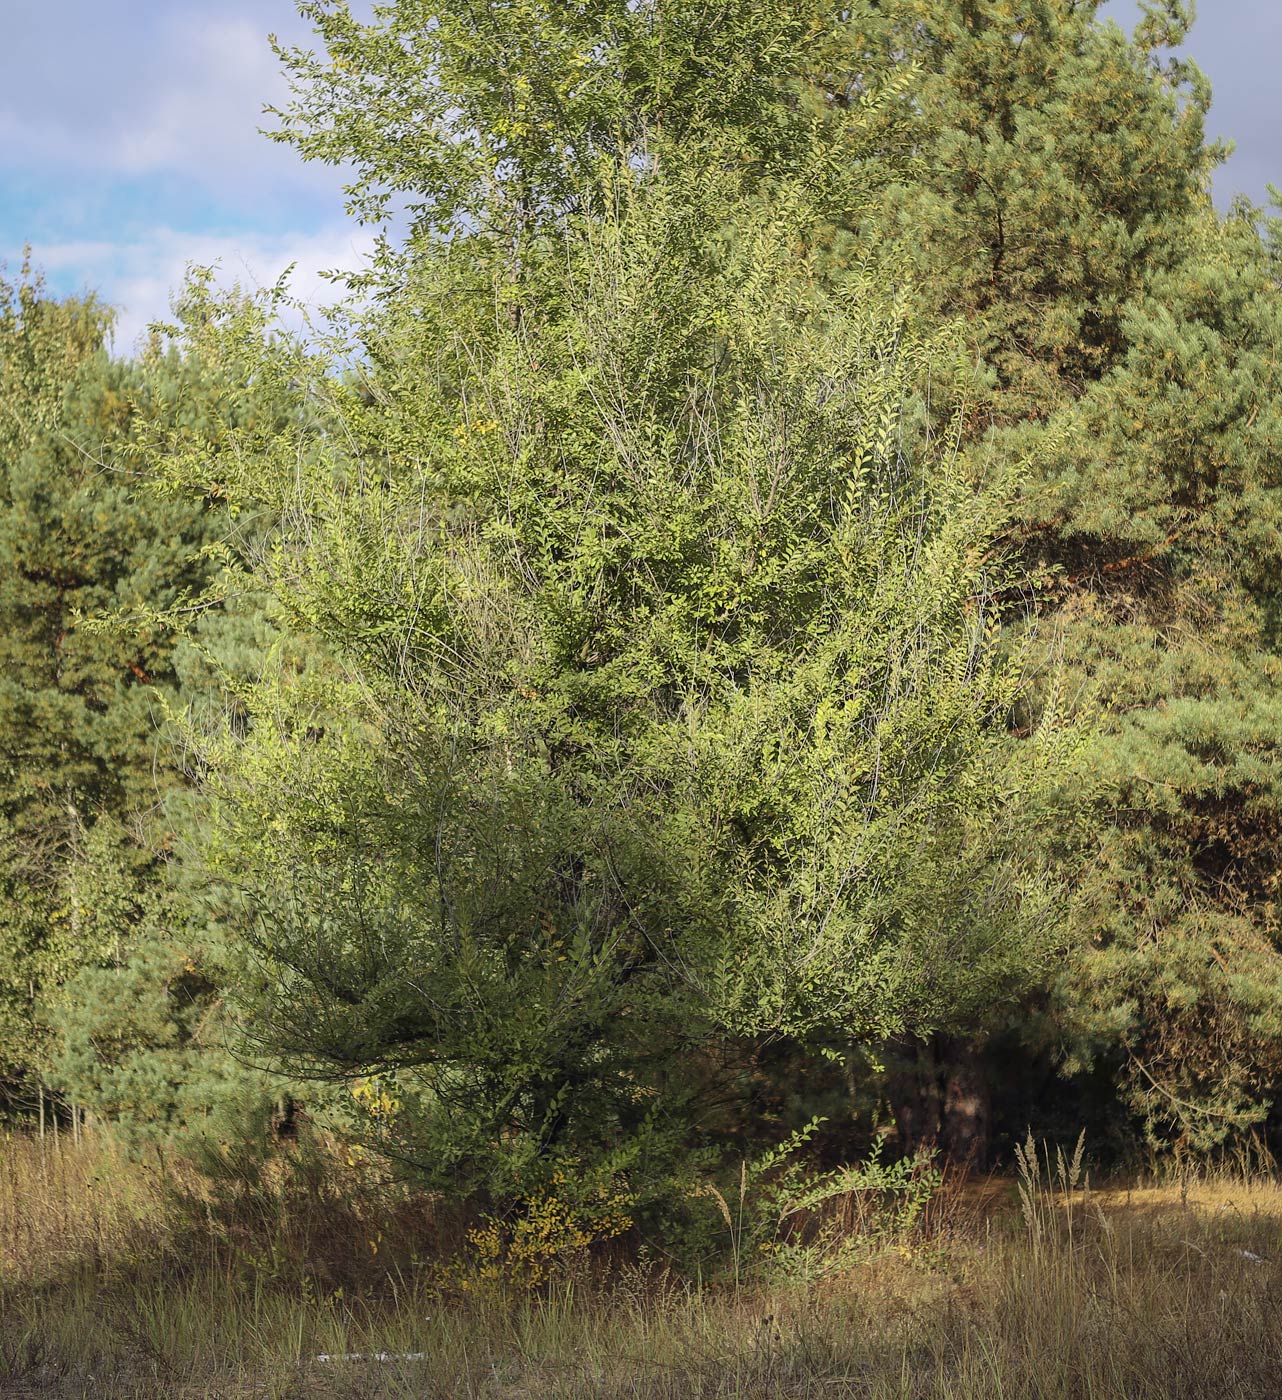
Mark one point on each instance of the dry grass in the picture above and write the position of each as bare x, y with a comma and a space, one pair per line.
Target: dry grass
110, 1289
63, 1209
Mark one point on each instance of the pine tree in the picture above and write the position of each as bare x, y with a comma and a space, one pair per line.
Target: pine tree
80, 709
1060, 167
112, 951
1060, 204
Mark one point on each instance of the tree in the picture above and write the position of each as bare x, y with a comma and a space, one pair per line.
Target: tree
1059, 203
1186, 906
79, 709
495, 119
113, 965
674, 706
1060, 167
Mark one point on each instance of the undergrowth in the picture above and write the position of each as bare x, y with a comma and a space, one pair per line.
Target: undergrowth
128, 1279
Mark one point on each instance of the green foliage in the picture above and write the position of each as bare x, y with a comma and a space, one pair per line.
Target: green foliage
1163, 543
653, 624
111, 966
674, 701
1060, 165
141, 1033
785, 1219
498, 118
1060, 204
79, 709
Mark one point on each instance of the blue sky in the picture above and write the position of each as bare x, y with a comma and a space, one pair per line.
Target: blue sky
1238, 44
129, 146
129, 143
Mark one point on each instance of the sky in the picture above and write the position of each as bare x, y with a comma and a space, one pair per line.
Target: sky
129, 143
130, 147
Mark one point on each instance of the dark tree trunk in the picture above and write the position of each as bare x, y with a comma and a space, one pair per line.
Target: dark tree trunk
967, 1109
941, 1097
913, 1088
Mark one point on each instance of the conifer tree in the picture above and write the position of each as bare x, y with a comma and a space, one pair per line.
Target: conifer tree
80, 710
111, 955
1060, 203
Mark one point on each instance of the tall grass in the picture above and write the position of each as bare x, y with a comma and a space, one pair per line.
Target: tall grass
115, 1284
63, 1206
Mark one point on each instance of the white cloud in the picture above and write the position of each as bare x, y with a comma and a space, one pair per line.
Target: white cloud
206, 121
140, 277
178, 91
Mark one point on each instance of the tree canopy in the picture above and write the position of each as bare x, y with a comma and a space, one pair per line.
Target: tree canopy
760, 599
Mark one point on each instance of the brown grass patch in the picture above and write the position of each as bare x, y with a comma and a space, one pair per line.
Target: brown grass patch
111, 1286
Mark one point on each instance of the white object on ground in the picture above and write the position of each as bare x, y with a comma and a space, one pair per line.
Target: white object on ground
371, 1356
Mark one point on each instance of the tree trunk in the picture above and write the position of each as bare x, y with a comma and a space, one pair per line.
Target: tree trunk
941, 1097
913, 1088
967, 1105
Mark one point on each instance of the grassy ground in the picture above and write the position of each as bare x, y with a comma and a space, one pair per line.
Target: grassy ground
106, 1289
